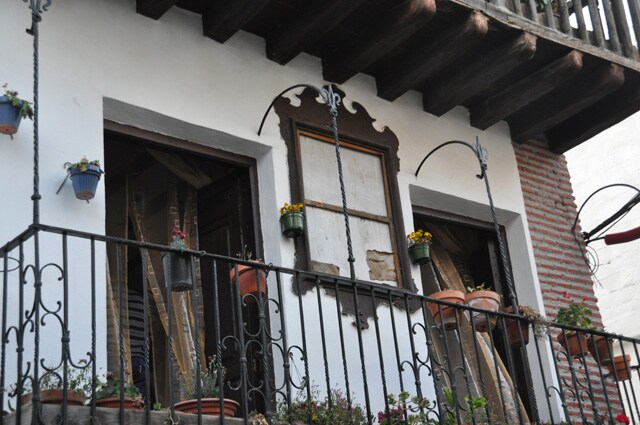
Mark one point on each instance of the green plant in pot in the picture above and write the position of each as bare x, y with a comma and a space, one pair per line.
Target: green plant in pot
579, 315
51, 387
406, 409
108, 393
482, 297
209, 379
292, 220
420, 246
12, 111
517, 331
177, 265
85, 176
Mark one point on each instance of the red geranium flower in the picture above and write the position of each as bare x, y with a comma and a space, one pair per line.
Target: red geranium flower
623, 419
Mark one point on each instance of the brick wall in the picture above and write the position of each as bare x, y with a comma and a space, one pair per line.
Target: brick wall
551, 211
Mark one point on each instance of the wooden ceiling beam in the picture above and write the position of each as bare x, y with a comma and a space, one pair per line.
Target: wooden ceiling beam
560, 105
522, 93
444, 49
380, 37
154, 9
595, 119
317, 20
225, 18
460, 86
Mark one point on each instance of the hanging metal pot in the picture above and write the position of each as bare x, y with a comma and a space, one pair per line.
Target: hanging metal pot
85, 182
292, 224
177, 271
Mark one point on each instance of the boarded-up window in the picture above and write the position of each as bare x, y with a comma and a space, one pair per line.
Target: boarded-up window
366, 185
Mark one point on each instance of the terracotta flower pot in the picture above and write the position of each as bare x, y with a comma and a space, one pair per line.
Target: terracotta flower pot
55, 396
517, 330
114, 402
487, 300
576, 343
446, 314
210, 407
248, 282
601, 349
622, 366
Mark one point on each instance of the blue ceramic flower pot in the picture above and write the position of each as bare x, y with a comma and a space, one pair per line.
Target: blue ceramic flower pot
85, 182
9, 116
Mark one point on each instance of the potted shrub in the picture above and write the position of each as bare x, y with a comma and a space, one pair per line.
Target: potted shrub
85, 176
177, 265
333, 409
574, 314
108, 394
12, 111
249, 278
209, 393
51, 391
481, 297
444, 314
291, 220
517, 331
419, 246
405, 409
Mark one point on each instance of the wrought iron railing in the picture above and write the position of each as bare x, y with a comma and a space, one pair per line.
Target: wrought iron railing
287, 346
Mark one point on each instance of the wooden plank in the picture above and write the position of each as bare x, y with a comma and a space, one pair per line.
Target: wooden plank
598, 117
525, 91
317, 20
522, 24
482, 74
154, 9
563, 104
414, 69
388, 32
224, 18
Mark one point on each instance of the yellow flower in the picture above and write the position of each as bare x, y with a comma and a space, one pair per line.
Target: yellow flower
291, 208
419, 236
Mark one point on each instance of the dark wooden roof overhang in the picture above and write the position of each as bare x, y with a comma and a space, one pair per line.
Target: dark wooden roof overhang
455, 52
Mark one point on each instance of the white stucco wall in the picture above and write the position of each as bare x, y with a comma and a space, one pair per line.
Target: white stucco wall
613, 156
99, 59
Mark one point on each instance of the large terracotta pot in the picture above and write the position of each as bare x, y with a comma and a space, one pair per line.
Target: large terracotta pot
114, 402
576, 343
446, 314
55, 396
487, 300
247, 281
622, 365
517, 330
601, 349
210, 407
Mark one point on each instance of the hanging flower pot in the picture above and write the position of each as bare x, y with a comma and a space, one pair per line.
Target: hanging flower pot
601, 349
479, 297
622, 365
444, 314
177, 266
419, 246
575, 344
85, 176
250, 280
291, 220
12, 110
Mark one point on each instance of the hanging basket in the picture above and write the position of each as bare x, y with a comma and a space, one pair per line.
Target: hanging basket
249, 279
292, 224
177, 271
420, 253
9, 116
85, 182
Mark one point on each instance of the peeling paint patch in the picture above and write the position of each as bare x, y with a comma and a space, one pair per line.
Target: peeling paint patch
381, 265
326, 268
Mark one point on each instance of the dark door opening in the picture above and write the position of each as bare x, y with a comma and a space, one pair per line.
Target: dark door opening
148, 185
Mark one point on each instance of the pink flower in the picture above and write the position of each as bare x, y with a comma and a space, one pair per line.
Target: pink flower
566, 295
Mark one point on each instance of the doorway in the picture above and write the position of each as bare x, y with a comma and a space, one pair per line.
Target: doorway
157, 183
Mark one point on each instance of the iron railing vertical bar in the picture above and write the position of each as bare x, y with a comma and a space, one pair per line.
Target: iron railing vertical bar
196, 315
483, 387
630, 375
94, 366
508, 347
511, 368
147, 342
554, 356
20, 336
263, 304
429, 344
5, 294
543, 376
323, 341
216, 327
363, 365
392, 316
574, 378
376, 324
170, 353
345, 368
65, 328
307, 378
452, 378
637, 355
285, 347
465, 371
585, 364
599, 362
122, 364
241, 348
